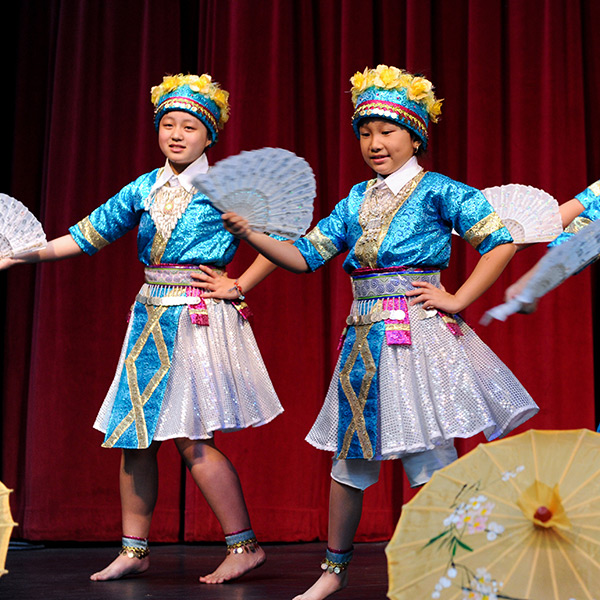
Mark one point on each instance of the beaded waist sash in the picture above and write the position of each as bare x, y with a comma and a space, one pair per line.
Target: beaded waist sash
368, 284
167, 274
170, 285
379, 295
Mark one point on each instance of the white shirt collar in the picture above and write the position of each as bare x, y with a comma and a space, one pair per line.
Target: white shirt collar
184, 179
398, 179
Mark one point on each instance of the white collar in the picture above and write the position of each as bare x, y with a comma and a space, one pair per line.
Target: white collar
398, 179
184, 179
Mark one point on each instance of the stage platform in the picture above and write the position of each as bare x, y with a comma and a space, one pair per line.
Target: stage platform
61, 572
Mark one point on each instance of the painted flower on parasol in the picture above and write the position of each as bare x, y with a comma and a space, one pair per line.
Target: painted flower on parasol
6, 526
517, 519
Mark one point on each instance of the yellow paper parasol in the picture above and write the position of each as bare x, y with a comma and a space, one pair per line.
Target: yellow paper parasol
6, 525
516, 519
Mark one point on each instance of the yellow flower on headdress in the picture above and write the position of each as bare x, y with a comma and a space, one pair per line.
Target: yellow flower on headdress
419, 88
386, 77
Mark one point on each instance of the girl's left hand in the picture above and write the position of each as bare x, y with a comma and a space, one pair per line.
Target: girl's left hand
434, 297
215, 285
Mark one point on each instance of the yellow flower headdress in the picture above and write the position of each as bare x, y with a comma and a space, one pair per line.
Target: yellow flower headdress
196, 94
394, 94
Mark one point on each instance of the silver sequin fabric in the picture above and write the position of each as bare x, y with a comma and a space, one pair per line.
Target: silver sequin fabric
217, 382
438, 388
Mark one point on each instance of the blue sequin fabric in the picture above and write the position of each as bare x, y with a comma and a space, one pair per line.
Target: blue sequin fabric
590, 199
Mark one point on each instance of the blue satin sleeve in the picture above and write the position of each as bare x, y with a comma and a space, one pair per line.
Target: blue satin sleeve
327, 239
115, 217
470, 214
590, 199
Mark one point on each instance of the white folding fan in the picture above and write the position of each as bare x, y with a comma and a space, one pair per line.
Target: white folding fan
557, 265
272, 188
530, 214
20, 231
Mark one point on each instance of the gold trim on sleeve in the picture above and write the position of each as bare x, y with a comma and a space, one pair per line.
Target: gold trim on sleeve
595, 188
577, 224
483, 228
91, 235
323, 245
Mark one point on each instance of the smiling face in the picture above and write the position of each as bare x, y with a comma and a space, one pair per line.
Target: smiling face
385, 147
182, 138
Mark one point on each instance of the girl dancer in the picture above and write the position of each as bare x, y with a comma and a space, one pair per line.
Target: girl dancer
411, 375
189, 364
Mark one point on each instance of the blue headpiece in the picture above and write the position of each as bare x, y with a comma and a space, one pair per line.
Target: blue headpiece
195, 95
395, 95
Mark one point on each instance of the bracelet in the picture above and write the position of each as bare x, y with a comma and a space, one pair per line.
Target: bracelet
238, 287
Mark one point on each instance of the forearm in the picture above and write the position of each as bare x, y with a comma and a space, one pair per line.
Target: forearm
283, 254
57, 249
569, 210
485, 273
255, 273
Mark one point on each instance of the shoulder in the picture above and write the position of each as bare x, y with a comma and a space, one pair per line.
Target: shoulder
445, 183
146, 178
358, 190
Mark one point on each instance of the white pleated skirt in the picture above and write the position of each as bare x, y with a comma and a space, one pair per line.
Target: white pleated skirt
217, 381
440, 387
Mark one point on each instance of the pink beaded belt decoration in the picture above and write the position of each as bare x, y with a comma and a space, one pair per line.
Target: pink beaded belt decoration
379, 295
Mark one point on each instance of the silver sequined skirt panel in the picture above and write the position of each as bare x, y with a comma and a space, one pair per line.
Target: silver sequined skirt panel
218, 380
440, 387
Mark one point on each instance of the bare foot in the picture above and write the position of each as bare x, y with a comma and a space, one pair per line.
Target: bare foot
325, 586
121, 566
235, 565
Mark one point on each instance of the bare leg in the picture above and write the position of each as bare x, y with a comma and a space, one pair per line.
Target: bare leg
218, 481
345, 509
138, 481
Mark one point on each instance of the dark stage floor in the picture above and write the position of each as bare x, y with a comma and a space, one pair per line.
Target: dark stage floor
61, 573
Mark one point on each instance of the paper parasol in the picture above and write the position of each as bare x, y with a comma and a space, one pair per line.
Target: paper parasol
6, 526
272, 188
516, 519
557, 265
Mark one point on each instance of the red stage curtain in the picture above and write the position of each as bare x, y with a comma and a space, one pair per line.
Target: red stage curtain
520, 80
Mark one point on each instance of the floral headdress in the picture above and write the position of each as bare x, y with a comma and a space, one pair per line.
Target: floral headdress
396, 95
197, 95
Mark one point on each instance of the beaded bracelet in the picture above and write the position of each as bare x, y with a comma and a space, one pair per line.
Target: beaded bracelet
238, 287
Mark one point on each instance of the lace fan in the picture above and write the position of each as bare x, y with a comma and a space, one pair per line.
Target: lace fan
557, 265
272, 188
530, 214
20, 231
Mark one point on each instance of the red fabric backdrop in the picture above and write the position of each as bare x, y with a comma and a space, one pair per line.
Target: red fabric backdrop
520, 82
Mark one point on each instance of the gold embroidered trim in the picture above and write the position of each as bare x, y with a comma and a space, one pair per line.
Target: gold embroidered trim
367, 246
371, 183
138, 400
577, 224
159, 246
595, 188
91, 235
323, 245
357, 403
483, 228
397, 326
